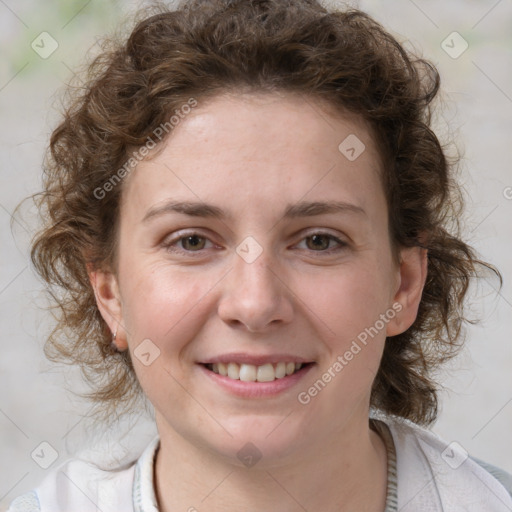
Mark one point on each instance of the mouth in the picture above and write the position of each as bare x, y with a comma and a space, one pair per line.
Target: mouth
248, 375
267, 372
251, 381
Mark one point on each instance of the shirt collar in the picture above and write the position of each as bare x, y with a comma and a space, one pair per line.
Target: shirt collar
143, 491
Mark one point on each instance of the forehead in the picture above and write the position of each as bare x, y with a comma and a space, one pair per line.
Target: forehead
281, 120
259, 144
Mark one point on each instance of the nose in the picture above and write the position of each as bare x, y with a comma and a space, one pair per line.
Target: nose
255, 296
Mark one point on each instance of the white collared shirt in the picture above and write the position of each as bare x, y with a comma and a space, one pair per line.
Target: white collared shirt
425, 474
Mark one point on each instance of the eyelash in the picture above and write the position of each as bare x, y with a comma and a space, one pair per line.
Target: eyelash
171, 244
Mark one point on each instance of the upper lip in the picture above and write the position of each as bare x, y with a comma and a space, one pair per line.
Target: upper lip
256, 360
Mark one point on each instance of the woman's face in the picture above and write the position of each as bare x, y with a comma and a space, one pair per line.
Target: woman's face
258, 235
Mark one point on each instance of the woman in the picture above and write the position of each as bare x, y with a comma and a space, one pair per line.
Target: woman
248, 216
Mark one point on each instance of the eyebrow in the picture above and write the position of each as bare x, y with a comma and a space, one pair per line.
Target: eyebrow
301, 209
310, 209
192, 209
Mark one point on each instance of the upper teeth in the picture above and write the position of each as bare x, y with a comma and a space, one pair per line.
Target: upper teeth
250, 373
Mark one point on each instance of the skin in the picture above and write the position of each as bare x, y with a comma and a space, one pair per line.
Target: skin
252, 156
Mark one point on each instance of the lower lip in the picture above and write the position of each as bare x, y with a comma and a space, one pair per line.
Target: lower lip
258, 389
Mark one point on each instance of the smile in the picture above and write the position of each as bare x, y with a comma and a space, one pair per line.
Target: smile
252, 373
242, 379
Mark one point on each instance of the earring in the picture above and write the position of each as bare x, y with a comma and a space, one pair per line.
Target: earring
113, 346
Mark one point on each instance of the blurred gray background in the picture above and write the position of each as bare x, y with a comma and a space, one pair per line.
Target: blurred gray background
476, 71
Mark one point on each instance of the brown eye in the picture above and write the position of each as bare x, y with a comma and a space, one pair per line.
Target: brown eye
193, 243
318, 242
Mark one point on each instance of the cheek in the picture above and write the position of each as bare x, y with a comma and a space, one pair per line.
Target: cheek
168, 308
162, 303
347, 300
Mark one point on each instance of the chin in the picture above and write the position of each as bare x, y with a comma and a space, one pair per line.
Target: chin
262, 441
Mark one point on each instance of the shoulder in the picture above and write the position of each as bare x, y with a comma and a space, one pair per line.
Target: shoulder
83, 486
500, 474
27, 502
80, 485
436, 475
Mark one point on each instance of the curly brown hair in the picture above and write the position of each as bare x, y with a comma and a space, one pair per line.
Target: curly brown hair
207, 47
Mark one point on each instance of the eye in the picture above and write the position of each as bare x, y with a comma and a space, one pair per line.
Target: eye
191, 242
323, 242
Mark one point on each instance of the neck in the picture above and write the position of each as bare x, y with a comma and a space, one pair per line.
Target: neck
345, 472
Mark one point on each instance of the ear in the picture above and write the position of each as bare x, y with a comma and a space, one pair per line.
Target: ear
108, 300
412, 274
